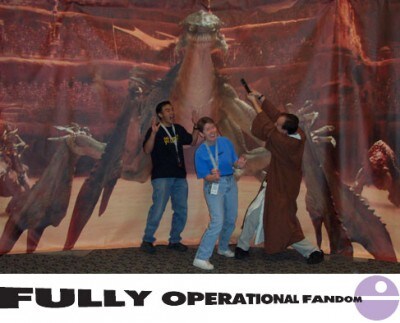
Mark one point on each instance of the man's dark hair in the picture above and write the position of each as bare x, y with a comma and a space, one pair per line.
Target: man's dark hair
291, 123
203, 121
161, 105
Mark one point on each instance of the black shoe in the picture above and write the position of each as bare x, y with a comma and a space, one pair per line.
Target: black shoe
240, 253
316, 257
177, 246
147, 247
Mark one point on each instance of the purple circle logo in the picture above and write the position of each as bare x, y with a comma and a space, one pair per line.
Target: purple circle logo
380, 298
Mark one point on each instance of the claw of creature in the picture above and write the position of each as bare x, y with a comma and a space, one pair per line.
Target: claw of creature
310, 118
306, 108
328, 139
323, 130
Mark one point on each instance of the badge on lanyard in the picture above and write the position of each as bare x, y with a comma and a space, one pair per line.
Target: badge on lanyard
175, 142
215, 161
214, 188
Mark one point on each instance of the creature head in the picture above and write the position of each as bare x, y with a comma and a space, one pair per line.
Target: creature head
11, 144
202, 28
378, 160
80, 141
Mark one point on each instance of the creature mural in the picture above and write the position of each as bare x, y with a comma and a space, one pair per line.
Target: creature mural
105, 66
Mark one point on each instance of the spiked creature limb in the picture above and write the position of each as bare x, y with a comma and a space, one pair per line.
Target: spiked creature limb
329, 201
47, 202
319, 202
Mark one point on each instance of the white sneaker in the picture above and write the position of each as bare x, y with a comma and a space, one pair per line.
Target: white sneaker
203, 264
227, 253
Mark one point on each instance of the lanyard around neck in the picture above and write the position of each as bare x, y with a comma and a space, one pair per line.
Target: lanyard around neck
215, 160
175, 142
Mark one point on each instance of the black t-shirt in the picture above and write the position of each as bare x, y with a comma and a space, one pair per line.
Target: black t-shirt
164, 156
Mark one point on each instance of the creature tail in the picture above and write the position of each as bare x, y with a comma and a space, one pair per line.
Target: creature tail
361, 223
363, 226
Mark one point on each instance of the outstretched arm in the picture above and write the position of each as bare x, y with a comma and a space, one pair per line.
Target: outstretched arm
262, 126
264, 105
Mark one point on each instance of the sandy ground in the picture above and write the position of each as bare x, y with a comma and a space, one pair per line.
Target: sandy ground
123, 222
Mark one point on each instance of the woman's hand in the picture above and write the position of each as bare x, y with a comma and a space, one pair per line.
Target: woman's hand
241, 162
215, 175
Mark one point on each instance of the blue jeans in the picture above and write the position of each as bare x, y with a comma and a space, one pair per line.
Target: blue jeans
223, 209
163, 189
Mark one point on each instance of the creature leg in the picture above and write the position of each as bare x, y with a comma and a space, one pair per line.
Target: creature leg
231, 130
241, 114
34, 236
10, 235
317, 223
316, 217
257, 159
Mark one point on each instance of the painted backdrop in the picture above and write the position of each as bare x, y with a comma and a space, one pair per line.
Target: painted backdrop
79, 81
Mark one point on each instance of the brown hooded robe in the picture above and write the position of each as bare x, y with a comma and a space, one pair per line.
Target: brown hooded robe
281, 225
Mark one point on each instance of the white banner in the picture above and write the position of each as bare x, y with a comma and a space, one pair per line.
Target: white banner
199, 298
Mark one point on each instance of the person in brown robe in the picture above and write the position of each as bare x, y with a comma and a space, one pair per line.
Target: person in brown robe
285, 140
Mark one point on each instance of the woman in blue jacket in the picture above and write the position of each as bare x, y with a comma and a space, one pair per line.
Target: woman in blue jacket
215, 161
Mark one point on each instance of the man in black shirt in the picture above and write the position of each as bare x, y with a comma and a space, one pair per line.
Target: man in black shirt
164, 141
